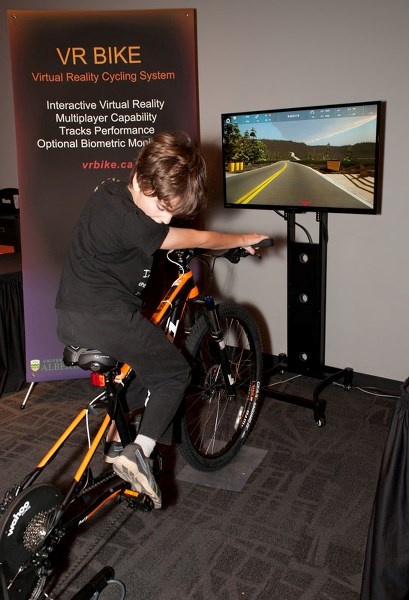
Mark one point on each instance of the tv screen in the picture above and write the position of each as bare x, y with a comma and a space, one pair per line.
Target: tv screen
315, 158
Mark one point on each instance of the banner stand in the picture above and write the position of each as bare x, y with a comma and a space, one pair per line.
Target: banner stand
102, 85
26, 397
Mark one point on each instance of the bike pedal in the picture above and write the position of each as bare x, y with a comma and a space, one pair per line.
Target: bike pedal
137, 501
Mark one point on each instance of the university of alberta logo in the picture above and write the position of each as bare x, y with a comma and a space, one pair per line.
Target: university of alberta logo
34, 365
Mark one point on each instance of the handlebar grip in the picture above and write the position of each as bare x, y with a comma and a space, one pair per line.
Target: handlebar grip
235, 254
266, 243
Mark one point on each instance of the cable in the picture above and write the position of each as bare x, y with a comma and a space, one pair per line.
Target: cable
307, 233
376, 391
174, 262
379, 393
277, 212
282, 381
88, 428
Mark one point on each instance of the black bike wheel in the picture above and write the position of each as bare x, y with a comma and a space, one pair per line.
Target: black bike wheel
23, 529
214, 424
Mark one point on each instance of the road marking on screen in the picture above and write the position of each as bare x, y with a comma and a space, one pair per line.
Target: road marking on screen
259, 188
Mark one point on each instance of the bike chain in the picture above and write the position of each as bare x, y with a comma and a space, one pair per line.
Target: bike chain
91, 551
142, 503
89, 554
103, 478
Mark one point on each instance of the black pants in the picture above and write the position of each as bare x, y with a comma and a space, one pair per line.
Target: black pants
160, 367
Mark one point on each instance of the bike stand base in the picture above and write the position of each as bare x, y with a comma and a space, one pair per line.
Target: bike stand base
316, 404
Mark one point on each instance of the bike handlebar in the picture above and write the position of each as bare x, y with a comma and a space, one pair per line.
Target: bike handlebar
183, 257
235, 254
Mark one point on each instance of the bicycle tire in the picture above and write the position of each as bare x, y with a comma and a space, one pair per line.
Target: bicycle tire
213, 425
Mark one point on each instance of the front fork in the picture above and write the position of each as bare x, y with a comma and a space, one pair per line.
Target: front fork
217, 335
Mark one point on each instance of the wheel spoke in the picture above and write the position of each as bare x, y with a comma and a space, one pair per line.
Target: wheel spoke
215, 419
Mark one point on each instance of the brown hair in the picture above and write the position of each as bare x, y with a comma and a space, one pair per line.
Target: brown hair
171, 167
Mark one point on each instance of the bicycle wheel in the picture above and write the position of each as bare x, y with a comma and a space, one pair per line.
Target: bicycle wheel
214, 422
23, 529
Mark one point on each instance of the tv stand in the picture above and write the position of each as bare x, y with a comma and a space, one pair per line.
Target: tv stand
306, 303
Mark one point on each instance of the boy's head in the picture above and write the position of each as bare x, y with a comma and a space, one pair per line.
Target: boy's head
171, 167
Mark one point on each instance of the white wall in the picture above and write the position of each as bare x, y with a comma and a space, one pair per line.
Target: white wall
268, 54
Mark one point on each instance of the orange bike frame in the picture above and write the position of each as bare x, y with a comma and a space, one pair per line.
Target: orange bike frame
182, 289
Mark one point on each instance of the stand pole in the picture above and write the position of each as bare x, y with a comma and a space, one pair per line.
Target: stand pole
306, 307
306, 299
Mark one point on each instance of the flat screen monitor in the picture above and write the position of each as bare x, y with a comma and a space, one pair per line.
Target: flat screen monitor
315, 158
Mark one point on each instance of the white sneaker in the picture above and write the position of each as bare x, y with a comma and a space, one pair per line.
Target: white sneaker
133, 466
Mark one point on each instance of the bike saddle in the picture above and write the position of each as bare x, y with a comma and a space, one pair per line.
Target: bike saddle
88, 359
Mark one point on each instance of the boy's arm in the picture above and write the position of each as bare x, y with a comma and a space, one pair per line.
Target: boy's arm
179, 238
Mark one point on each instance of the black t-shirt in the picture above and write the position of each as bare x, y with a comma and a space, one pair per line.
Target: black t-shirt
110, 254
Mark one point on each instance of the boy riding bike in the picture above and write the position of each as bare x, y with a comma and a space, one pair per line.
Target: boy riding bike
108, 263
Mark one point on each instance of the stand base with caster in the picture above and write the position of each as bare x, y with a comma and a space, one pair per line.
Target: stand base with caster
316, 403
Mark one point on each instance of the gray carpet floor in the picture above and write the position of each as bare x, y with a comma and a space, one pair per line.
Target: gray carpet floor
294, 530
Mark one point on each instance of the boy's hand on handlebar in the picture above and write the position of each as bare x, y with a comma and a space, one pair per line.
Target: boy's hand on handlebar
235, 254
263, 242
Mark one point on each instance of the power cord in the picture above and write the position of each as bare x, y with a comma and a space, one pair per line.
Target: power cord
307, 233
